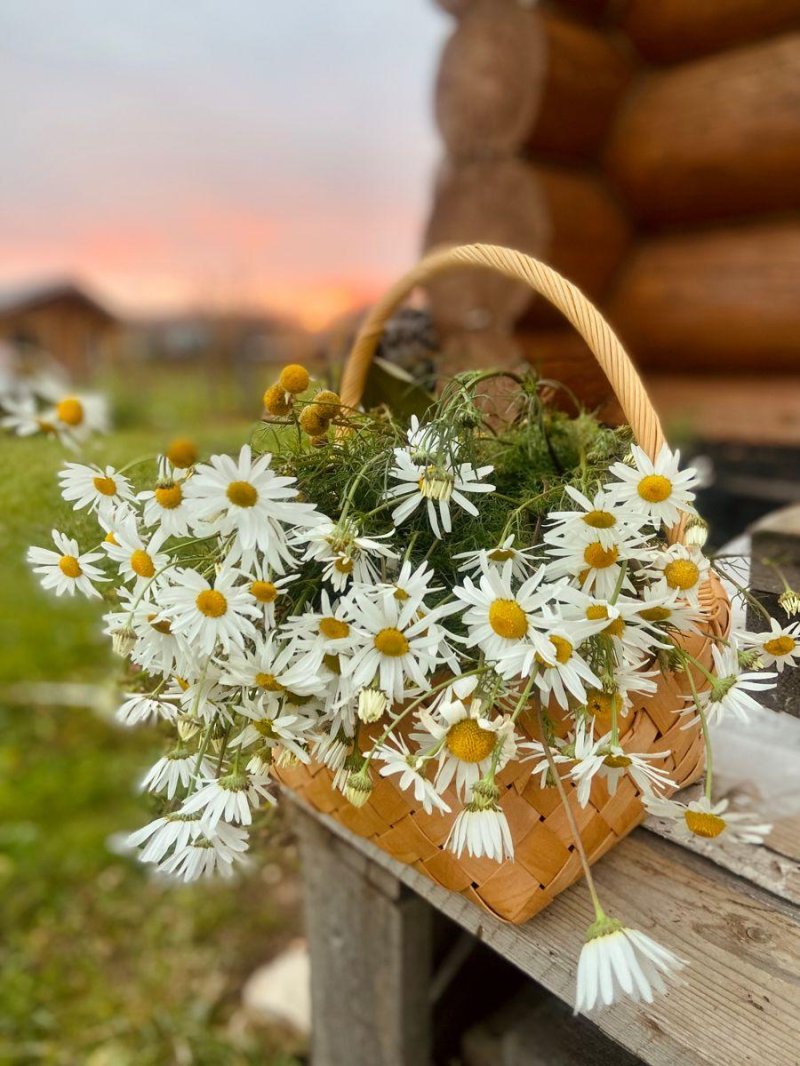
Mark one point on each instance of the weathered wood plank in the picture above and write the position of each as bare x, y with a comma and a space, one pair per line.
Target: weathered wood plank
740, 1000
370, 944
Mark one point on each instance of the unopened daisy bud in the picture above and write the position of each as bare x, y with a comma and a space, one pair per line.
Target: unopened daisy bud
789, 600
294, 378
314, 420
371, 704
485, 794
359, 786
123, 641
277, 402
182, 453
696, 531
187, 728
749, 658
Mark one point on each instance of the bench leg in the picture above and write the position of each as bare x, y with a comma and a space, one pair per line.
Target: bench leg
370, 944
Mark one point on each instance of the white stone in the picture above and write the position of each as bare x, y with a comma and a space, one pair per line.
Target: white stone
280, 991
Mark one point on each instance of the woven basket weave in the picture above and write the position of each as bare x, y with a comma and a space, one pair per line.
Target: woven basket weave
545, 860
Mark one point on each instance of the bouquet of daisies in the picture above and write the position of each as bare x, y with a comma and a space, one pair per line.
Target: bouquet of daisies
394, 601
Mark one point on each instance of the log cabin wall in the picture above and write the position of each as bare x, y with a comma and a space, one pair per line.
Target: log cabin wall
650, 151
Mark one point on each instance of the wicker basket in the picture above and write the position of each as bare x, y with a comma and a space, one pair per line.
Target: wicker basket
545, 860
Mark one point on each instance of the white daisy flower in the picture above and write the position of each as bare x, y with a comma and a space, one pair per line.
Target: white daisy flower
779, 647
245, 498
21, 416
267, 590
397, 759
523, 560
326, 632
345, 554
139, 560
597, 565
658, 489
208, 854
91, 487
79, 415
273, 728
162, 835
331, 748
230, 798
630, 636
142, 707
273, 669
413, 583
729, 694
155, 647
599, 519
551, 656
208, 615
612, 762
667, 611
481, 828
202, 696
177, 769
702, 818
66, 570
166, 505
435, 482
618, 961
680, 570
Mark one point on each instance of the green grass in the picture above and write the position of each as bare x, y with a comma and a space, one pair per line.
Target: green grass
99, 964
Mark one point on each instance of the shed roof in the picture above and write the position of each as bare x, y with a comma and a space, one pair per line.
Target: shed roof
33, 296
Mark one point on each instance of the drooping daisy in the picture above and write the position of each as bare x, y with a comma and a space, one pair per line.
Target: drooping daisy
481, 828
778, 647
101, 490
611, 762
201, 696
437, 482
345, 554
729, 694
208, 854
598, 519
681, 570
230, 798
209, 614
523, 560
155, 647
616, 960
141, 707
166, 505
273, 728
702, 818
139, 559
177, 769
658, 489
244, 497
397, 759
66, 570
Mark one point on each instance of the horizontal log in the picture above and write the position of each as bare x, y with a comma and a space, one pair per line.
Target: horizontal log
725, 299
672, 30
565, 218
513, 79
714, 138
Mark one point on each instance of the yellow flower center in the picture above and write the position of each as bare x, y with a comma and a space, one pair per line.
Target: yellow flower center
598, 557
655, 614
333, 664
169, 496
106, 486
333, 629
110, 538
264, 591
778, 646
681, 574
344, 565
182, 453
142, 564
268, 682
70, 411
242, 493
704, 824
161, 626
599, 519
599, 702
508, 619
501, 555
182, 683
264, 727
617, 762
391, 642
401, 595
211, 603
655, 488
469, 742
69, 566
595, 611
563, 651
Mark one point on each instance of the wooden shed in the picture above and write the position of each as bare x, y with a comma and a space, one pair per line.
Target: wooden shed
651, 153
62, 319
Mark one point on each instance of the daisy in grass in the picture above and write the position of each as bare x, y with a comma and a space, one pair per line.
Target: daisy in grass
729, 692
274, 729
272, 669
617, 961
268, 591
139, 560
166, 506
598, 519
345, 554
101, 490
500, 619
22, 417
208, 854
523, 560
76, 417
397, 759
394, 649
231, 798
437, 483
611, 762
458, 731
680, 570
207, 615
66, 570
244, 498
143, 707
481, 828
176, 770
702, 818
659, 490
778, 647
557, 666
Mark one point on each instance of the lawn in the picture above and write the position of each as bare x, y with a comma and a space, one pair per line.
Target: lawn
99, 964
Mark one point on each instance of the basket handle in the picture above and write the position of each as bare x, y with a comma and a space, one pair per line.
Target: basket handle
584, 316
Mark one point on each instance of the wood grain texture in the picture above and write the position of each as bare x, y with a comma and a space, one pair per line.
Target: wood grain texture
738, 1001
714, 138
370, 942
671, 30
512, 79
724, 299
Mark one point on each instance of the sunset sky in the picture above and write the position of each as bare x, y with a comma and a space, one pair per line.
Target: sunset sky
251, 152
